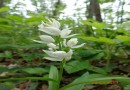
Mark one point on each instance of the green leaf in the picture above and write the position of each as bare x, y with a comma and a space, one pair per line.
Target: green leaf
35, 70
80, 86
123, 38
99, 40
98, 56
94, 23
3, 20
96, 69
106, 40
98, 78
93, 39
6, 27
4, 9
53, 74
72, 67
15, 18
87, 54
45, 78
33, 19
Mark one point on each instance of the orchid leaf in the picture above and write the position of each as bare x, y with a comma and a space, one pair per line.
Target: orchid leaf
53, 85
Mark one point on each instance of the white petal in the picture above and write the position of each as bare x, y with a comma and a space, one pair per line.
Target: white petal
51, 45
50, 53
60, 54
53, 59
65, 33
55, 23
50, 49
69, 55
56, 54
39, 41
41, 26
78, 46
46, 38
51, 30
72, 42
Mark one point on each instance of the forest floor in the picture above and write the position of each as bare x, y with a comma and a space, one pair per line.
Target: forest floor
123, 70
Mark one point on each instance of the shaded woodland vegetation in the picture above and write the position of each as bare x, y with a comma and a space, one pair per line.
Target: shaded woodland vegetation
103, 63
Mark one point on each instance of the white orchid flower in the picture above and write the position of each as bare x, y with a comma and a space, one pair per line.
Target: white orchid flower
65, 33
73, 43
45, 39
52, 46
55, 23
58, 55
52, 23
55, 55
52, 28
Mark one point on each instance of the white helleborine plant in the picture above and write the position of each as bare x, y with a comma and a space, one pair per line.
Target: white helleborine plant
59, 42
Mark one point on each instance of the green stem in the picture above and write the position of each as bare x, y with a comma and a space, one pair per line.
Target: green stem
61, 64
61, 71
59, 42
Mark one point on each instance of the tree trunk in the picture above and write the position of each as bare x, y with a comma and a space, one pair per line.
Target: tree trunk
94, 10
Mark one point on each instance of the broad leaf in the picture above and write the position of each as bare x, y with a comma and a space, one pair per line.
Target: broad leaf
123, 38
75, 66
99, 40
94, 23
80, 79
97, 78
53, 85
4, 9
106, 40
35, 70
15, 18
